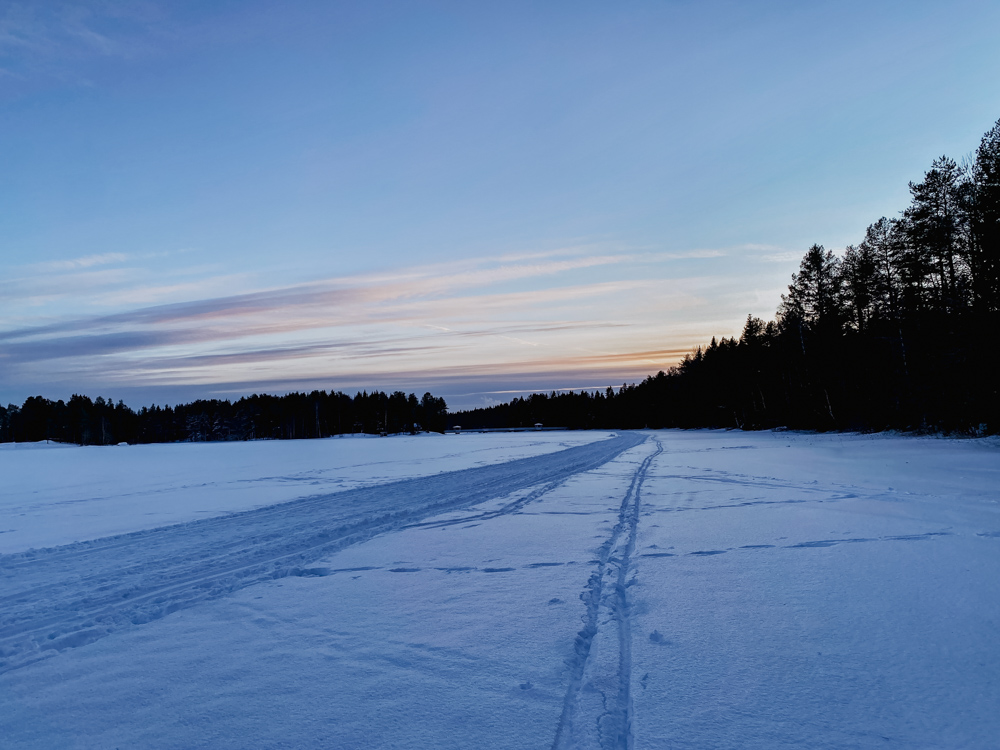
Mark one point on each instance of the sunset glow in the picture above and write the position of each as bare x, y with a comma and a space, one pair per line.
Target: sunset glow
209, 201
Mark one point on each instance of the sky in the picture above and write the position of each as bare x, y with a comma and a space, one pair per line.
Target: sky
212, 199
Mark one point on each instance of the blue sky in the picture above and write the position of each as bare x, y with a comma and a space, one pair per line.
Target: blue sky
211, 199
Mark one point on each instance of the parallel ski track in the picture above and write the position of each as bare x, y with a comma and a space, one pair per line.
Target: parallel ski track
614, 562
62, 597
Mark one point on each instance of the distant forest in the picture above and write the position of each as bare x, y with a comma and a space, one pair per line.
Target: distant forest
899, 332
296, 415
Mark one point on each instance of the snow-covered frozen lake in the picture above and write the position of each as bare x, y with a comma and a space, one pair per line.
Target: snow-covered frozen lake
668, 589
81, 493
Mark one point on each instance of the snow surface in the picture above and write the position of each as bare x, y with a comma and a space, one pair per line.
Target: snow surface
665, 589
56, 493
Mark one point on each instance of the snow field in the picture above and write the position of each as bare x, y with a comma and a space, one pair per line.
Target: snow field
66, 597
55, 494
700, 589
846, 597
447, 634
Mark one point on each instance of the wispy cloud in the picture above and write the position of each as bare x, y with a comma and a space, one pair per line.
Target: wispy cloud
46, 37
316, 303
567, 311
516, 340
87, 261
144, 294
779, 256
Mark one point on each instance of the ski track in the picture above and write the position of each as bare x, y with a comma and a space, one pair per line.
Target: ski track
512, 507
63, 597
608, 604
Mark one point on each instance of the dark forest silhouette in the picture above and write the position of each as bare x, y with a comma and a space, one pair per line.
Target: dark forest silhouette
899, 332
295, 415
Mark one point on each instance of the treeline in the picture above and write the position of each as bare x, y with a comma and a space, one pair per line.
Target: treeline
296, 415
898, 331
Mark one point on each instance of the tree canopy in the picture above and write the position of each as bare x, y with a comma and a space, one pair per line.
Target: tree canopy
898, 331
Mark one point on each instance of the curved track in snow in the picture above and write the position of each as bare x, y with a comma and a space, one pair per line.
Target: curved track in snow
62, 597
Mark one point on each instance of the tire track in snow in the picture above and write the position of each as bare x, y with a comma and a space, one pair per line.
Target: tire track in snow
63, 597
611, 728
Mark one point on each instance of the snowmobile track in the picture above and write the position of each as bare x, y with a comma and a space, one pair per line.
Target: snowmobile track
63, 597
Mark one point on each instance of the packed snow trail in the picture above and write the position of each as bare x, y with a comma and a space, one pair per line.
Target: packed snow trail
63, 597
600, 717
55, 494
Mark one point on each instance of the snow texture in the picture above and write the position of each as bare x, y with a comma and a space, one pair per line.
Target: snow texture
80, 493
645, 590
